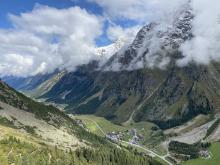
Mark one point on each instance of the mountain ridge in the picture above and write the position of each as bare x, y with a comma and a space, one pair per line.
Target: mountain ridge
169, 94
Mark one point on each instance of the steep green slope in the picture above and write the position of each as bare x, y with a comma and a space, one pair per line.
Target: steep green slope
166, 97
46, 85
18, 100
181, 97
113, 95
19, 152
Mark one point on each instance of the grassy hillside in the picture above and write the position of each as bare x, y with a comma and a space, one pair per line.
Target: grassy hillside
21, 149
15, 151
23, 146
10, 96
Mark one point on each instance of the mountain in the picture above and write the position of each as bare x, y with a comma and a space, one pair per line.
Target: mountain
142, 89
155, 44
32, 133
39, 84
107, 51
133, 105
28, 83
142, 82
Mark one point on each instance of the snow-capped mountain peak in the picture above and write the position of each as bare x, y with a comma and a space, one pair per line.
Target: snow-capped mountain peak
154, 43
109, 50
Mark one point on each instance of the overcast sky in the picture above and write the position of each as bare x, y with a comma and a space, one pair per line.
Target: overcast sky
38, 36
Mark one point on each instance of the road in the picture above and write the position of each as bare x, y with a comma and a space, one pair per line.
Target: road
135, 145
148, 150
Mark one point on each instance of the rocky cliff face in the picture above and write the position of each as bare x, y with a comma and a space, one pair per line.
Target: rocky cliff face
156, 44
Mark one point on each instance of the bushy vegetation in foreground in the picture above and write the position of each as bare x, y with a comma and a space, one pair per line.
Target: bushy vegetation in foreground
12, 150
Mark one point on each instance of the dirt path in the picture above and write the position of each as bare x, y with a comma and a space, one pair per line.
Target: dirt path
140, 105
49, 155
10, 151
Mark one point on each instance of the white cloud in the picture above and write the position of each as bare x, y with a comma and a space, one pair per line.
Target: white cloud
115, 32
16, 64
140, 10
63, 22
204, 47
48, 38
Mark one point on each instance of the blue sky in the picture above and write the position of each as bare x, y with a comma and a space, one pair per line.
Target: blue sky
35, 32
19, 6
22, 6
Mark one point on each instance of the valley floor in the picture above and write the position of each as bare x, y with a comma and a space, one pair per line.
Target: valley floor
190, 133
103, 127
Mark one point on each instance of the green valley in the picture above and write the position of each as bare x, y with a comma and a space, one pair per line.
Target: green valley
32, 133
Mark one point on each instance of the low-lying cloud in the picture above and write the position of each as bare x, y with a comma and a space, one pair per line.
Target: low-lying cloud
205, 46
116, 32
141, 11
